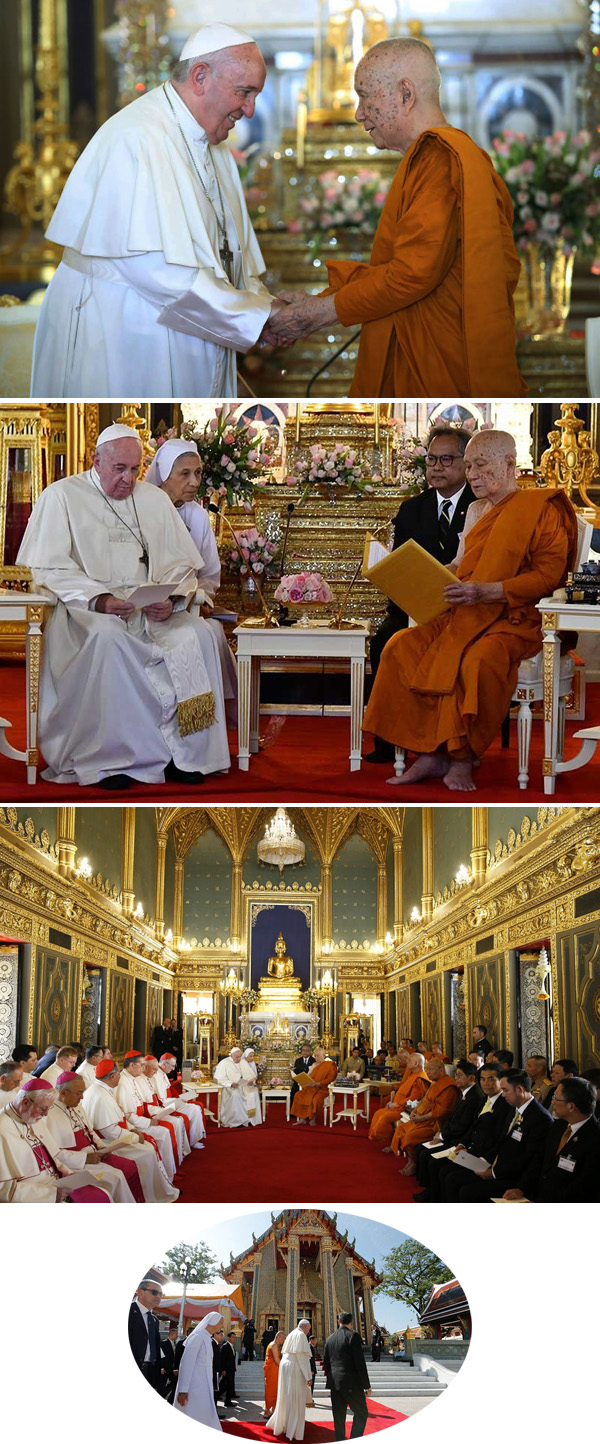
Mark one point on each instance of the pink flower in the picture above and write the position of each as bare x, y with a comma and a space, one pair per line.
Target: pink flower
530, 226
294, 227
527, 167
295, 594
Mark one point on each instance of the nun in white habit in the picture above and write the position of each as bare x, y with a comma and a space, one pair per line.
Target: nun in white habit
177, 469
195, 1396
249, 1086
294, 1375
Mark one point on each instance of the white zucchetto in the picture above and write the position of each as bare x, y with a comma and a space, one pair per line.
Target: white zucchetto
213, 37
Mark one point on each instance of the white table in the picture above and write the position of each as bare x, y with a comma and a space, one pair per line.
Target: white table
351, 1095
279, 1095
207, 1089
26, 607
560, 616
257, 644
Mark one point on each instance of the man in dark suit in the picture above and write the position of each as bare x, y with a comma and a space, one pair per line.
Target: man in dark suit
570, 1171
435, 519
481, 1041
482, 1139
519, 1158
313, 1362
227, 1363
167, 1349
144, 1333
347, 1378
457, 1126
561, 1068
301, 1065
217, 1340
267, 1338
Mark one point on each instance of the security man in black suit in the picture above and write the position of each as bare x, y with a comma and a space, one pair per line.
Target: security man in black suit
435, 519
167, 1349
481, 1140
347, 1378
144, 1333
570, 1171
301, 1065
459, 1123
518, 1161
227, 1363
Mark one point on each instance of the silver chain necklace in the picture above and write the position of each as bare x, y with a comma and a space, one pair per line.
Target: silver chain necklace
225, 250
145, 557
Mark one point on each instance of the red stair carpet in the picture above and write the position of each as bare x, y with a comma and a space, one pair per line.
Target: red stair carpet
293, 1165
380, 1417
305, 759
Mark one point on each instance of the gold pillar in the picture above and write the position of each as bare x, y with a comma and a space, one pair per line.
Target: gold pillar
291, 1282
381, 902
398, 891
326, 905
65, 840
76, 443
479, 844
178, 902
127, 850
236, 902
427, 896
159, 902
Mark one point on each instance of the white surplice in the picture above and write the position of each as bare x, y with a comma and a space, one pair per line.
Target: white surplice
234, 1108
150, 1094
104, 1113
131, 1097
110, 689
87, 1071
294, 1374
193, 1113
195, 1378
141, 304
58, 1131
21, 1180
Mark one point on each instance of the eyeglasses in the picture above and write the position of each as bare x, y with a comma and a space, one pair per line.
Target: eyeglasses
445, 461
157, 1292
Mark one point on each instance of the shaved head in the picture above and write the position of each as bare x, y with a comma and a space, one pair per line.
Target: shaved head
398, 85
491, 465
399, 60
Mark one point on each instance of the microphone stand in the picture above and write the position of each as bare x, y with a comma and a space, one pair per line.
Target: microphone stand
270, 619
339, 616
282, 610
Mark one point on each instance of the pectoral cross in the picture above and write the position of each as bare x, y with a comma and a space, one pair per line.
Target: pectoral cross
144, 559
226, 255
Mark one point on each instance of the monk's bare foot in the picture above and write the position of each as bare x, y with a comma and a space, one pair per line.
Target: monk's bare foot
409, 1171
459, 777
429, 764
386, 1150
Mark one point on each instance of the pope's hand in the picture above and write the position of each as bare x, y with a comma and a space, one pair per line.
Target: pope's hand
182, 1400
469, 593
159, 611
302, 316
113, 606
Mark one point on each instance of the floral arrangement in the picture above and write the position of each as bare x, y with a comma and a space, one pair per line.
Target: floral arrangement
248, 998
411, 451
310, 999
233, 453
303, 587
330, 468
350, 203
553, 182
254, 553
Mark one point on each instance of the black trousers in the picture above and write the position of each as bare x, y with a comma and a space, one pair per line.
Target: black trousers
354, 1399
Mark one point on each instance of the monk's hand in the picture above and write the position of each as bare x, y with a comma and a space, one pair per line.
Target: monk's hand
469, 593
302, 317
113, 606
268, 336
159, 611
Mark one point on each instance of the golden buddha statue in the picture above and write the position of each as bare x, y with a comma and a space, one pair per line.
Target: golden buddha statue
280, 966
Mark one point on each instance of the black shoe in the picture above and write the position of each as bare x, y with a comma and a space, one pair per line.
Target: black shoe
189, 779
382, 752
421, 1197
117, 782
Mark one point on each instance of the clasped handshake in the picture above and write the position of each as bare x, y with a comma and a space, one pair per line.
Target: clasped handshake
294, 314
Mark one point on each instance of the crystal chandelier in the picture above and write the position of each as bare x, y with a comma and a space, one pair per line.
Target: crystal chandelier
281, 845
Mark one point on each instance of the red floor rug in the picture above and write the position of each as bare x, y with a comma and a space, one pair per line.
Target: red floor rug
305, 759
380, 1417
291, 1165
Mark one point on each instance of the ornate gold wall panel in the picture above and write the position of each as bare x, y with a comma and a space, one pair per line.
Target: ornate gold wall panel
154, 1010
404, 1018
578, 968
433, 1024
56, 998
486, 997
120, 1018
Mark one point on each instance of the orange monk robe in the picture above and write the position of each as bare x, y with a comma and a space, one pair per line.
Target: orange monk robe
441, 1098
435, 300
383, 1123
451, 680
309, 1101
271, 1373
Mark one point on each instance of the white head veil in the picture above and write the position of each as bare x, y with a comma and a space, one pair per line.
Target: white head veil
161, 466
198, 1346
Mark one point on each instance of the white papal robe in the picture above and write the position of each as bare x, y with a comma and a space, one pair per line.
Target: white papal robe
234, 1108
103, 1112
141, 304
294, 1374
116, 694
192, 1112
58, 1132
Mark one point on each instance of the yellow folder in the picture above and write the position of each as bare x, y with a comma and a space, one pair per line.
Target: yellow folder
411, 578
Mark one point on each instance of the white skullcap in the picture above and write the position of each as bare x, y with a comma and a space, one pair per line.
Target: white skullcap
117, 433
213, 37
161, 466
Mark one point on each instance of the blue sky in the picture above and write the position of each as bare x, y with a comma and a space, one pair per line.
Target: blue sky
373, 1239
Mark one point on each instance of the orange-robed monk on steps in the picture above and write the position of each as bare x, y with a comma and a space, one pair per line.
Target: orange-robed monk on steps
429, 1115
413, 1085
435, 301
443, 689
308, 1103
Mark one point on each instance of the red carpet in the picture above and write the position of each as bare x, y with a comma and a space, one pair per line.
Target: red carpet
278, 1161
306, 760
380, 1417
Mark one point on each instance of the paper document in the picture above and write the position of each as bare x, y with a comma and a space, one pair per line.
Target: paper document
149, 594
82, 1178
412, 579
475, 1165
510, 1200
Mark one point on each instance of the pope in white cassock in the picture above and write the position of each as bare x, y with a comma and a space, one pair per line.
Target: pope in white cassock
159, 284
294, 1374
105, 1115
234, 1076
128, 692
195, 1395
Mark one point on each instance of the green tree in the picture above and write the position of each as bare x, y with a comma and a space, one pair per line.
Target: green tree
410, 1272
203, 1263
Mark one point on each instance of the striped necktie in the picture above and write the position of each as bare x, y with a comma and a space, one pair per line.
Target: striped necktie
444, 524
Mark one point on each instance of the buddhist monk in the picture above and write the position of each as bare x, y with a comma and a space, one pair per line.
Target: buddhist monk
436, 299
271, 1372
413, 1085
309, 1101
443, 689
429, 1115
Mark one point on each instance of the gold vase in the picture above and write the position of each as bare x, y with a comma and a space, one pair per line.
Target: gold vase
543, 294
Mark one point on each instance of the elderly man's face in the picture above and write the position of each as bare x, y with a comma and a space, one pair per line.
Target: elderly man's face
10, 1081
228, 90
118, 464
73, 1094
236, 1055
112, 1078
490, 472
136, 1067
379, 107
37, 1107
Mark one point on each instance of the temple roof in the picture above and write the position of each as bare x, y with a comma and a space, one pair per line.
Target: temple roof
290, 1218
446, 1302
